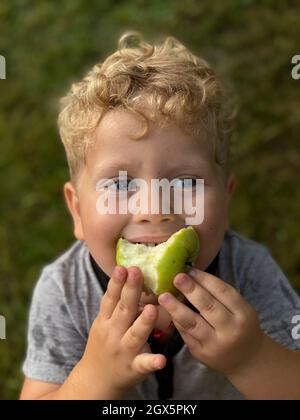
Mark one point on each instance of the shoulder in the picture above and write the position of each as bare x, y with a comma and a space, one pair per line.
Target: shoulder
69, 269
261, 281
68, 260
68, 288
240, 256
242, 245
70, 278
256, 274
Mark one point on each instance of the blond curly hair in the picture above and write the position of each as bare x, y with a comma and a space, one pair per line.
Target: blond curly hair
166, 79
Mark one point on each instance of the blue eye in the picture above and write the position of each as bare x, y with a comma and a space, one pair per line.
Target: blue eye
184, 183
121, 184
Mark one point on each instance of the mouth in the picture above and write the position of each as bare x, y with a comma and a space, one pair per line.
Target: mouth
148, 241
153, 242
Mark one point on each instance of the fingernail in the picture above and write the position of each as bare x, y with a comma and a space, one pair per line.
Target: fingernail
133, 276
192, 272
150, 313
119, 273
159, 364
182, 281
165, 298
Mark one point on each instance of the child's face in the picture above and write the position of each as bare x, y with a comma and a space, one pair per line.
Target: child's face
164, 153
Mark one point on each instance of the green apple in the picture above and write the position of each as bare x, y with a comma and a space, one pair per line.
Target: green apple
160, 263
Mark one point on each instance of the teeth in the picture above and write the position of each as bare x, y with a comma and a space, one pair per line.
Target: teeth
147, 244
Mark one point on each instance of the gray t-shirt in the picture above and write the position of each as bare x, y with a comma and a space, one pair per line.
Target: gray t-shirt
66, 301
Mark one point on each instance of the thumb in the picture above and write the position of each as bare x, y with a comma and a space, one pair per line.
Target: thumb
148, 362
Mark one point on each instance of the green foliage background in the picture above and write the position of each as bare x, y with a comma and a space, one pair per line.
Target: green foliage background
48, 44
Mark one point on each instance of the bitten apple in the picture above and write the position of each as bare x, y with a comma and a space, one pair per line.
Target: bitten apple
160, 263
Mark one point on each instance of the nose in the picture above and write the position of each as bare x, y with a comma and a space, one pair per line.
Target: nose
153, 218
157, 209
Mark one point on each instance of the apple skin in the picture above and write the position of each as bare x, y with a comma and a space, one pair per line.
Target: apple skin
162, 263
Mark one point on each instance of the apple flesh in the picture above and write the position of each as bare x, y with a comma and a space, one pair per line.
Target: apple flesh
160, 264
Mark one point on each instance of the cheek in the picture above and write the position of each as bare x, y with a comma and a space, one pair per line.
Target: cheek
101, 233
211, 231
215, 210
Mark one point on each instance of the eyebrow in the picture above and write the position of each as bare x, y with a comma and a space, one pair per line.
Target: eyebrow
115, 166
119, 165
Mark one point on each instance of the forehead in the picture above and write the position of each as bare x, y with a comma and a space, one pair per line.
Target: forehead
113, 141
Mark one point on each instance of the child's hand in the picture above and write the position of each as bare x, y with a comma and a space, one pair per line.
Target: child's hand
117, 355
226, 335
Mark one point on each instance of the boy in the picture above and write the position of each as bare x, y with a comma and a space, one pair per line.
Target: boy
156, 113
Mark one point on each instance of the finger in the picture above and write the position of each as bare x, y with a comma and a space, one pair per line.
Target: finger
224, 292
214, 312
113, 292
148, 362
185, 318
138, 334
193, 344
127, 308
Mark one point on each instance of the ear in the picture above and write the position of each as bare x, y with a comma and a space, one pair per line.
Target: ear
72, 201
231, 185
